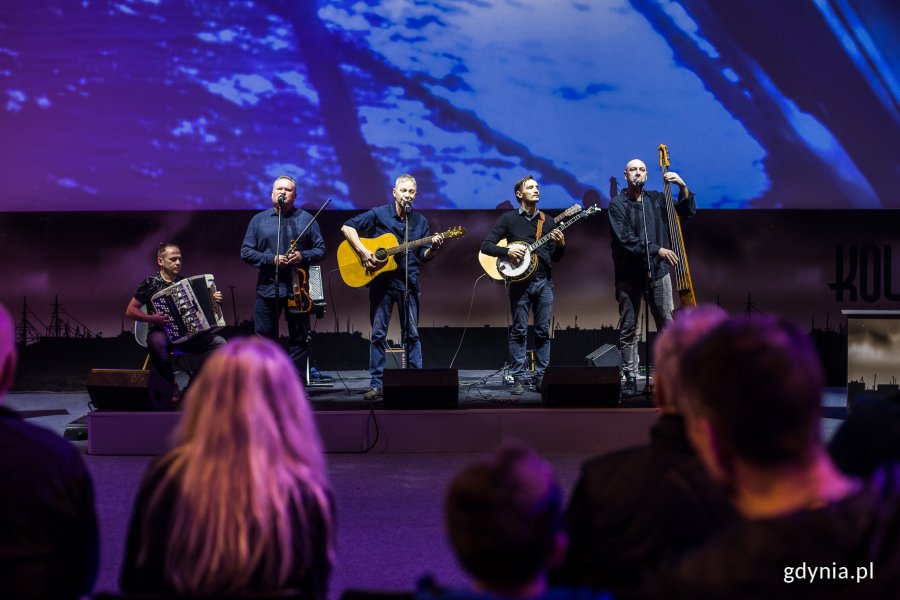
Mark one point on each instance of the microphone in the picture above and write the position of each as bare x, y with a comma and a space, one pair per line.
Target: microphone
280, 199
407, 206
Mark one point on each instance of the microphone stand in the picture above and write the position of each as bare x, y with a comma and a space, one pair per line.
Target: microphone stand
278, 266
404, 331
648, 389
294, 244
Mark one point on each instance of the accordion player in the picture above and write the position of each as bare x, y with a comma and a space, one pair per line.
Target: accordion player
190, 307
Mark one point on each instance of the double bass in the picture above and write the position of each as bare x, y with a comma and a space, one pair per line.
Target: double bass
681, 271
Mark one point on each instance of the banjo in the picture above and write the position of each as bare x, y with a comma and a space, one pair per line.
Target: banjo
516, 271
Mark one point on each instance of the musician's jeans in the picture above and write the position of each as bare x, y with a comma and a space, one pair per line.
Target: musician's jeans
266, 313
160, 349
535, 296
383, 295
628, 295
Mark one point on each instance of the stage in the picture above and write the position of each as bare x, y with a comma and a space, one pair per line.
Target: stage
486, 414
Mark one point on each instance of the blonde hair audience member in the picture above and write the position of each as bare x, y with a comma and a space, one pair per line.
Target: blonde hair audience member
242, 502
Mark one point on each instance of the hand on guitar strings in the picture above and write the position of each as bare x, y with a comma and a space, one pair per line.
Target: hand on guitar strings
557, 236
516, 253
368, 260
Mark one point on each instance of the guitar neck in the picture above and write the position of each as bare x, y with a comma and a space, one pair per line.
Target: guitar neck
546, 237
414, 244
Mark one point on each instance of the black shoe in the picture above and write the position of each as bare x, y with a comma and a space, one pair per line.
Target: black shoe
536, 383
518, 388
629, 389
372, 394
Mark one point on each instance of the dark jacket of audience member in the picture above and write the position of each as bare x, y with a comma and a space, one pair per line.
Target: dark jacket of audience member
48, 524
856, 537
635, 509
242, 503
869, 438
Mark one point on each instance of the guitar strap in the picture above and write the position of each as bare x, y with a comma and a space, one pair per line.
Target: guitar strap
540, 226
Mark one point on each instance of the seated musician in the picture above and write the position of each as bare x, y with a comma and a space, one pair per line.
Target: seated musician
389, 288
527, 224
168, 257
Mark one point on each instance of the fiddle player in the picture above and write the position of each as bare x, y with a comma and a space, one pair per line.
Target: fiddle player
268, 248
168, 258
535, 294
639, 228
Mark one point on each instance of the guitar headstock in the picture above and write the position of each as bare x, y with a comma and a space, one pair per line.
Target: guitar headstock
572, 210
664, 157
454, 232
591, 210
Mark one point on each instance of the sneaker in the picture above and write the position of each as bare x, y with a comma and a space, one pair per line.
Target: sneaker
629, 389
318, 376
518, 388
536, 383
372, 394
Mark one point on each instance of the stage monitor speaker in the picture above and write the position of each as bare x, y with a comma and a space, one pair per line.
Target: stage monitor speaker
581, 386
421, 389
606, 355
129, 390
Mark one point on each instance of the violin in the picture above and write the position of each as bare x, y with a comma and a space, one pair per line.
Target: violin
299, 301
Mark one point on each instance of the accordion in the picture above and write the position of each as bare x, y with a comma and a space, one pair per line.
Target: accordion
190, 306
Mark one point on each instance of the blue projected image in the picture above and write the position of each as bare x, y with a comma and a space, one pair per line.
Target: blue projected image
150, 105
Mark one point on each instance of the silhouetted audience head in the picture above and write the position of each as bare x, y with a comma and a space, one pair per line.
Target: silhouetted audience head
670, 346
8, 356
250, 481
754, 394
503, 516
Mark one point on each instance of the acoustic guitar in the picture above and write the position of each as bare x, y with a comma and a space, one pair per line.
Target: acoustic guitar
384, 247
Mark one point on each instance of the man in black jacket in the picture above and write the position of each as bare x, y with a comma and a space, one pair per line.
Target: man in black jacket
638, 224
526, 224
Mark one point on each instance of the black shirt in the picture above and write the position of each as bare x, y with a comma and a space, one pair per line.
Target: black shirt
516, 226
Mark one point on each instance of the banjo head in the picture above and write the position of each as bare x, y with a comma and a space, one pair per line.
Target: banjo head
512, 269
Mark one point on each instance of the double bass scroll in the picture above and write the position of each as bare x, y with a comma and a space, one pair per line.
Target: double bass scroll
681, 271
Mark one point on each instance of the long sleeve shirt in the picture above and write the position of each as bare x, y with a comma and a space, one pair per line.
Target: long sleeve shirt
518, 226
259, 247
626, 226
383, 219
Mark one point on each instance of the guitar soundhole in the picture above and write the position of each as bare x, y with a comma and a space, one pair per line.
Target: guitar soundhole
381, 254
